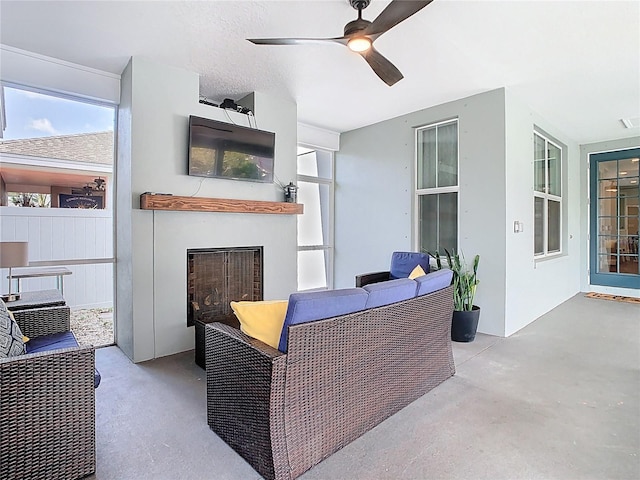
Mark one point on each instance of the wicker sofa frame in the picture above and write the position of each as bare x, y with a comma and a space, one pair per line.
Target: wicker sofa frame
47, 405
284, 413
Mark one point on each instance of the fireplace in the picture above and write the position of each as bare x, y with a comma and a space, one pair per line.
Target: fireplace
215, 277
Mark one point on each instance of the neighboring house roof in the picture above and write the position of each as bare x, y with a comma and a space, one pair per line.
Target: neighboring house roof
81, 147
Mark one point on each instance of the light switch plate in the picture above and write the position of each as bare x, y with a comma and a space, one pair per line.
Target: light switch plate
518, 226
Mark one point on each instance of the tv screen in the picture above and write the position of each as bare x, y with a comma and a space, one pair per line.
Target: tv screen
225, 150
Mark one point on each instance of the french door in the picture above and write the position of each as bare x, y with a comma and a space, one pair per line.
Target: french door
614, 209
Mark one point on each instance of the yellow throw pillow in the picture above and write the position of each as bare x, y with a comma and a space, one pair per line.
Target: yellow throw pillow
262, 320
417, 272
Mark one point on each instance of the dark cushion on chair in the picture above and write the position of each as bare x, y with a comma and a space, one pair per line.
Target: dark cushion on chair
308, 306
391, 291
57, 341
54, 341
403, 263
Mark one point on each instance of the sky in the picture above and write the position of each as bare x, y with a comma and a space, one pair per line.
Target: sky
30, 115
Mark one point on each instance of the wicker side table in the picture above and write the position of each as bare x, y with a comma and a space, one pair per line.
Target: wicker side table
230, 320
37, 299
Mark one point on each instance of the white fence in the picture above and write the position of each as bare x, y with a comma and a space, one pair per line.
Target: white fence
64, 234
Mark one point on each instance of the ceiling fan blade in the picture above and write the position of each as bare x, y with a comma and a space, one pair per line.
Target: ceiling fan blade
396, 12
296, 41
386, 70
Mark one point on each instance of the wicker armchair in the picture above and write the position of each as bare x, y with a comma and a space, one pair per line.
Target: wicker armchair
47, 405
284, 413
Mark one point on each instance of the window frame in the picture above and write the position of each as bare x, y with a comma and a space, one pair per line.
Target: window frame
328, 248
547, 197
419, 192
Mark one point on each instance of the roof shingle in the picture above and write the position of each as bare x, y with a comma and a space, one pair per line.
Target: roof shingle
81, 147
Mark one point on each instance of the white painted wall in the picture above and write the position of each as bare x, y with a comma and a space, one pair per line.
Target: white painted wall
59, 234
375, 194
585, 150
152, 156
535, 287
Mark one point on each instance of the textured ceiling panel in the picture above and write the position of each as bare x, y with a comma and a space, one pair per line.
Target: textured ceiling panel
577, 63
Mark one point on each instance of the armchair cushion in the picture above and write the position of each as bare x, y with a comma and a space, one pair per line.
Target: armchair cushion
403, 263
391, 291
52, 342
11, 338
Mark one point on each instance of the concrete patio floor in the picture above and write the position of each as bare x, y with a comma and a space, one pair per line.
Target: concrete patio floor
558, 400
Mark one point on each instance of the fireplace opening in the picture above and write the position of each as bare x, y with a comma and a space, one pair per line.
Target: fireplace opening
215, 277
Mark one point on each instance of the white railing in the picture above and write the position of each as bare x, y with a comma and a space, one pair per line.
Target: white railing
55, 235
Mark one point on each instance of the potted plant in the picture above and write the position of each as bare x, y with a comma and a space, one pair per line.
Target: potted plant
466, 315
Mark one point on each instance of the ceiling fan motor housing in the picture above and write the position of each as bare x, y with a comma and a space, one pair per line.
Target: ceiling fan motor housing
355, 26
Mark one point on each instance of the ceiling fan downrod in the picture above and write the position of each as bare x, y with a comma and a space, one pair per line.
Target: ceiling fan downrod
359, 5
357, 42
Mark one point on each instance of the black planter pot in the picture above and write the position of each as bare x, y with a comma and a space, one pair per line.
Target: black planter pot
464, 324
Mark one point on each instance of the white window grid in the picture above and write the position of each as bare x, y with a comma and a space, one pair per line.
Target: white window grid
546, 197
433, 190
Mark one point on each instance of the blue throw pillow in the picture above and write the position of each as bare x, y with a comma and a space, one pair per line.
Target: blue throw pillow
403, 263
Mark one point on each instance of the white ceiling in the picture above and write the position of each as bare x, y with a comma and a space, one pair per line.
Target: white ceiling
32, 176
576, 63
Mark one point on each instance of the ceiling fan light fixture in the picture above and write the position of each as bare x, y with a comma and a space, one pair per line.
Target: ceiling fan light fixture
359, 44
100, 184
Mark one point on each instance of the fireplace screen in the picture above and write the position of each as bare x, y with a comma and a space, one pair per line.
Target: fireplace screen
217, 276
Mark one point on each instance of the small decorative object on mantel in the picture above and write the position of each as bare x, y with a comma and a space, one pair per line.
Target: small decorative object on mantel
291, 193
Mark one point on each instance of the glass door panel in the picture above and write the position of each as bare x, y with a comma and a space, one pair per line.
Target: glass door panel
615, 200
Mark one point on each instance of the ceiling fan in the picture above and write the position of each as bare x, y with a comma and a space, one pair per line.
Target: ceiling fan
360, 34
98, 185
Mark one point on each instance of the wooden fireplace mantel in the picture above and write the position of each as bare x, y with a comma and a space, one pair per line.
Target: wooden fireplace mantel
150, 201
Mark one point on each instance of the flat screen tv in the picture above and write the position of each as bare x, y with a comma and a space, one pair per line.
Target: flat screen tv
225, 150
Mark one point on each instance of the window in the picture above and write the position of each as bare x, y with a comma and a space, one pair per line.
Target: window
315, 226
437, 186
55, 150
56, 154
547, 196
